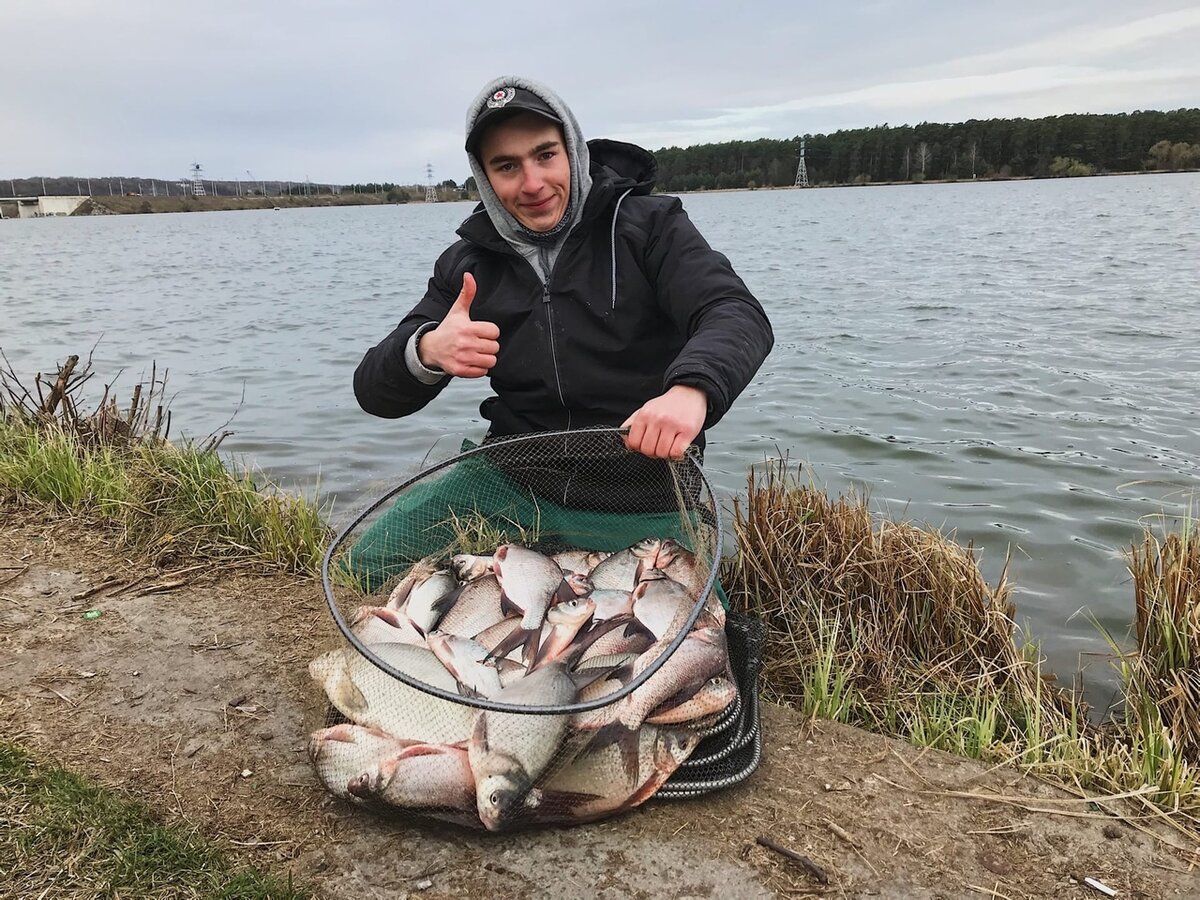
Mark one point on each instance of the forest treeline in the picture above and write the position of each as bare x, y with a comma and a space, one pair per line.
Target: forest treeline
1082, 144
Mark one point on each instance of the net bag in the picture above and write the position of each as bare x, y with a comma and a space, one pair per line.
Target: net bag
532, 637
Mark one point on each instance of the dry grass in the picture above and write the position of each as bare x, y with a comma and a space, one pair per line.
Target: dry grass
891, 627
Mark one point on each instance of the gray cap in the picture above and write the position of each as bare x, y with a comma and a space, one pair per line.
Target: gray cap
504, 103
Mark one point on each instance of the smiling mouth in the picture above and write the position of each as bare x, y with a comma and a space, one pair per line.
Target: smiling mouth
539, 205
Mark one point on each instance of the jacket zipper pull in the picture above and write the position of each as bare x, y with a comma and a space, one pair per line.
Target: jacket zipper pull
546, 294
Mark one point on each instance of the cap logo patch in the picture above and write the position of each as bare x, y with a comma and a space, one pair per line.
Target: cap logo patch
501, 97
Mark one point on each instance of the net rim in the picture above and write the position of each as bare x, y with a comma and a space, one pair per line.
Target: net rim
690, 456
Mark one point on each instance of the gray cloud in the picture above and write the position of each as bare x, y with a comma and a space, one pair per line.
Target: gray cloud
372, 90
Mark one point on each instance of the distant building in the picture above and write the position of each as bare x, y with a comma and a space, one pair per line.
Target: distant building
36, 207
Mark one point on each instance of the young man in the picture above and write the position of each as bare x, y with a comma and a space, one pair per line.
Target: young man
584, 298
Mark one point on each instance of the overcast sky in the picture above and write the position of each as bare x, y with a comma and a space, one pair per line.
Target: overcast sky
368, 89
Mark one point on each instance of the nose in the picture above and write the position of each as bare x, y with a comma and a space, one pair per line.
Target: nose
531, 181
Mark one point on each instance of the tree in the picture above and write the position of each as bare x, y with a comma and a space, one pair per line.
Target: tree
924, 154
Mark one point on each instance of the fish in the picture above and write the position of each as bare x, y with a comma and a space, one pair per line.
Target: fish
676, 561
421, 571
380, 625
369, 696
341, 753
595, 719
473, 607
563, 622
599, 782
532, 583
623, 570
610, 604
464, 659
491, 636
616, 640
713, 697
421, 776
423, 606
701, 656
468, 567
662, 605
510, 751
580, 562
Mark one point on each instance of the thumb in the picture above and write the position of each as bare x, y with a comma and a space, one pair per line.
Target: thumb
466, 295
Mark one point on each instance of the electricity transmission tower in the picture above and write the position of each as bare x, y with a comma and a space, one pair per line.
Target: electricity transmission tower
430, 190
197, 181
802, 169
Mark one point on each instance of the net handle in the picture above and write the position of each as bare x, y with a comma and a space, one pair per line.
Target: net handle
691, 456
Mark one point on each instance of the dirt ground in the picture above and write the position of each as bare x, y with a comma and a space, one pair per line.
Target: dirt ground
190, 690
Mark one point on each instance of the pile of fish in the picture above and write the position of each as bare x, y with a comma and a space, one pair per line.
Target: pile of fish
523, 628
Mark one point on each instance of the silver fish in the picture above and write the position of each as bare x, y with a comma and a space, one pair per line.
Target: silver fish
468, 567
701, 656
464, 659
713, 697
531, 582
620, 640
563, 622
368, 696
491, 636
423, 776
662, 605
610, 604
380, 625
423, 606
677, 561
341, 753
473, 607
579, 561
421, 571
601, 781
622, 570
510, 751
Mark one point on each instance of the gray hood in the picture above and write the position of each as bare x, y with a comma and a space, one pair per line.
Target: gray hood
577, 154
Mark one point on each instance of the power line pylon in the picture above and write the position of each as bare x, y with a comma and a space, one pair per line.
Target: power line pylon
802, 169
197, 180
430, 190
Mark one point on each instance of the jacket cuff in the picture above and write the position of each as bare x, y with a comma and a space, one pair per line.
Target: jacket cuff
416, 368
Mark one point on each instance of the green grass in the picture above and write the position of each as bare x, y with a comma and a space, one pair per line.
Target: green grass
163, 497
61, 836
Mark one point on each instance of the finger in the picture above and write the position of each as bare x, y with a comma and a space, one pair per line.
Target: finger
479, 360
637, 431
483, 346
472, 372
662, 446
680, 445
488, 331
467, 294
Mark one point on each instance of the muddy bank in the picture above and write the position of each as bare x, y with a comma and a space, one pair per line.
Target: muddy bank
190, 691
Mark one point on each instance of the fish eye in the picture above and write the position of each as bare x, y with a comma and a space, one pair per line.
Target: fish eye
495, 798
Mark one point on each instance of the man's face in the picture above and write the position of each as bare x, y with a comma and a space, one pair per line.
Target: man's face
525, 159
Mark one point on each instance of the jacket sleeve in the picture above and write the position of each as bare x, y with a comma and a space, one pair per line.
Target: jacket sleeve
728, 334
383, 383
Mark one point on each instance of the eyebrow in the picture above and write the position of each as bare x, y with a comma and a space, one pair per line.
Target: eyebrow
540, 148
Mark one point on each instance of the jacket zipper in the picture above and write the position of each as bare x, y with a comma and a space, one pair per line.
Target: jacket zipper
553, 348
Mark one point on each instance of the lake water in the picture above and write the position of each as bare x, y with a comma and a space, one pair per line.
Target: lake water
1018, 362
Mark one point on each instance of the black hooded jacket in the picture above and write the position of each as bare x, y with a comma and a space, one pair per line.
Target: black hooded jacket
637, 302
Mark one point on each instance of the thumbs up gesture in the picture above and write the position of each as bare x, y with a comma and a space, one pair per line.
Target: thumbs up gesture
459, 346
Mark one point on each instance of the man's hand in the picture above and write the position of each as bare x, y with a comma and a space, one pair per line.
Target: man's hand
459, 346
665, 426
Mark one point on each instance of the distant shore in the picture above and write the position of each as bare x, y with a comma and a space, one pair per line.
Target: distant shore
125, 205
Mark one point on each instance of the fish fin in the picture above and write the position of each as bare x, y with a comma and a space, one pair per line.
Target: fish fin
507, 645
533, 640
588, 676
507, 607
562, 594
597, 631
445, 603
464, 691
634, 628
683, 695
346, 696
